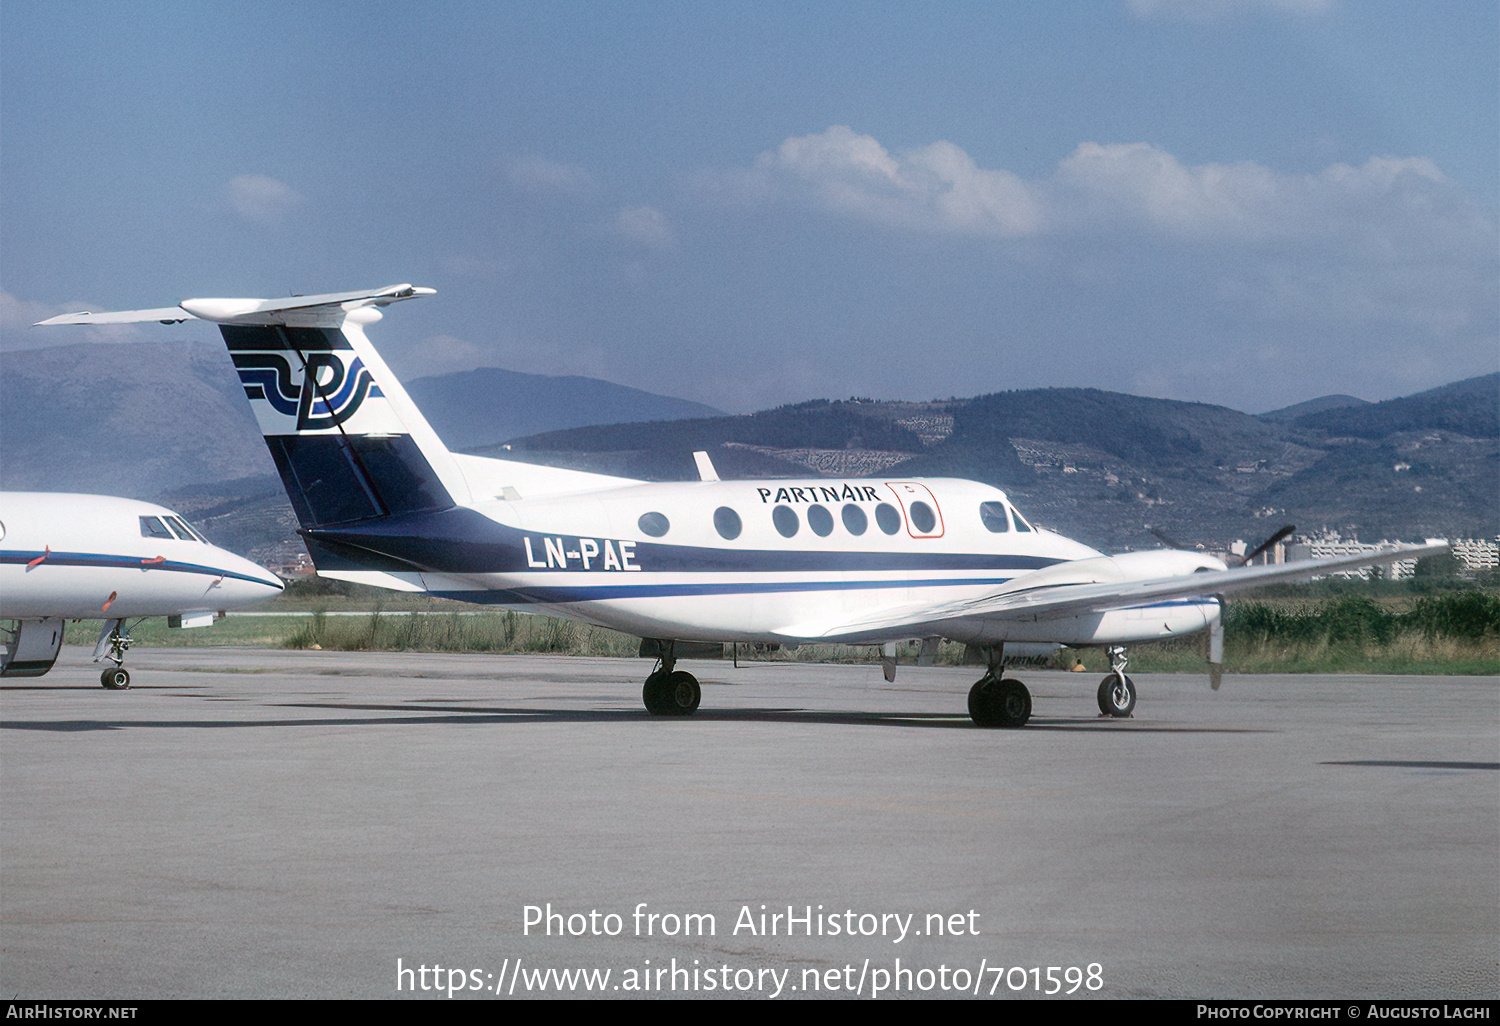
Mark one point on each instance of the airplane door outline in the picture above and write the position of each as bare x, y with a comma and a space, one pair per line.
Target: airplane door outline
908, 492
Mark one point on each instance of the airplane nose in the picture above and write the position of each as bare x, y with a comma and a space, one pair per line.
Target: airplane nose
249, 583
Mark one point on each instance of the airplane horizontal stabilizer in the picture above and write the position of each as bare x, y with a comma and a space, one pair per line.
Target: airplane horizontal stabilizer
251, 311
165, 315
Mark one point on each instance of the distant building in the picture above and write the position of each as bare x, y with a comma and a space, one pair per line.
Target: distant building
1328, 544
1477, 554
1275, 554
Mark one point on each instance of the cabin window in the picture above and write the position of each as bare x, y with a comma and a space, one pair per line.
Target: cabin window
993, 515
1021, 524
653, 523
887, 517
727, 523
855, 521
820, 520
785, 519
922, 517
152, 527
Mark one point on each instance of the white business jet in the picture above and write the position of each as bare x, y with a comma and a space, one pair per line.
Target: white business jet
90, 557
875, 561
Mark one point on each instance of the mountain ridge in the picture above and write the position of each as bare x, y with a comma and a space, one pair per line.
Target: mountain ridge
167, 421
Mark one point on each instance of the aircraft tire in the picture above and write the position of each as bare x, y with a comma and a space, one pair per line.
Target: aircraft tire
652, 695
681, 694
979, 701
115, 678
1114, 700
999, 703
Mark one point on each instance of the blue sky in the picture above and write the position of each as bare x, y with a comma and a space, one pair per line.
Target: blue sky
1244, 202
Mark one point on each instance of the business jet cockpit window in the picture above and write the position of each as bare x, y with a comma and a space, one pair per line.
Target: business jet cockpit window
152, 527
182, 530
1021, 524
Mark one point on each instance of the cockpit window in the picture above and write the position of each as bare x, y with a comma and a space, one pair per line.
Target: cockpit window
152, 527
180, 529
994, 518
1021, 524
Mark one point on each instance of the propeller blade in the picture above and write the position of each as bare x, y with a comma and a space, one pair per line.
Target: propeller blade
1164, 538
1266, 545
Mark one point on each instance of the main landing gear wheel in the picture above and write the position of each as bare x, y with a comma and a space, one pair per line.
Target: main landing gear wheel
1117, 696
115, 678
999, 703
671, 694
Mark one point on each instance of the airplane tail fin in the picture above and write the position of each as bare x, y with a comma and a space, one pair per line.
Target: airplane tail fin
348, 442
359, 462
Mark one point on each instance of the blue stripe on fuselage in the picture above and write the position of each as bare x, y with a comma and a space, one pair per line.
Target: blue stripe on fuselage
459, 540
105, 560
547, 595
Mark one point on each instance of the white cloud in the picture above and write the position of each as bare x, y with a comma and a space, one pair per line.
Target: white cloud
1391, 204
1141, 186
645, 225
21, 313
1390, 244
261, 199
550, 177
935, 188
1218, 10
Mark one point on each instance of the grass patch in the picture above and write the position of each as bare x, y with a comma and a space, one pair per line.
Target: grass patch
502, 633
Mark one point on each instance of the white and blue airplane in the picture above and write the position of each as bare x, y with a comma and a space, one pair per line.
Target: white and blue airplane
91, 557
873, 561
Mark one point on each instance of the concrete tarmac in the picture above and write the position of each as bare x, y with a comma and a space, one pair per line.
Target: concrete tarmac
315, 824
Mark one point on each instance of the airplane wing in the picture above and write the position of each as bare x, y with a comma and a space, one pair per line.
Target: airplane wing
1074, 599
231, 310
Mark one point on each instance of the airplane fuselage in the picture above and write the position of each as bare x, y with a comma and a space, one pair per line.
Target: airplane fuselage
757, 561
101, 557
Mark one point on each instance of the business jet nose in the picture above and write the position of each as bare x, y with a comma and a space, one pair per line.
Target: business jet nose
246, 582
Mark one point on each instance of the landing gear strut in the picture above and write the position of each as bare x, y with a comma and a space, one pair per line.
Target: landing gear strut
1117, 691
668, 691
995, 701
115, 638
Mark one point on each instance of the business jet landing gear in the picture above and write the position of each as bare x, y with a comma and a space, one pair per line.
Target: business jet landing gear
114, 641
668, 691
1117, 691
995, 701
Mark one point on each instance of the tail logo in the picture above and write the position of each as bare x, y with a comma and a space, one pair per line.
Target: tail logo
323, 395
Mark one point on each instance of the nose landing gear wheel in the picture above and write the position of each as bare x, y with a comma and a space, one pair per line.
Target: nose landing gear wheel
116, 678
1117, 696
